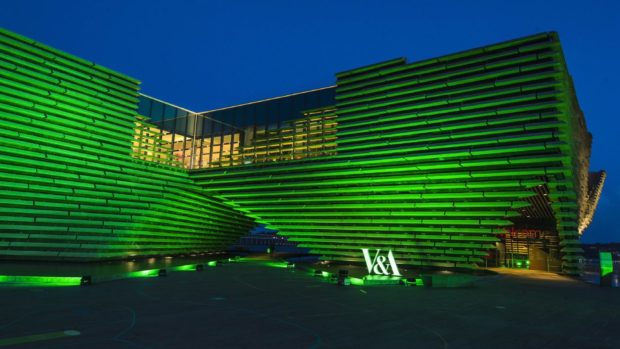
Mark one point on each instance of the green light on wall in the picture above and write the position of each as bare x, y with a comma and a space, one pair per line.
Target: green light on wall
433, 159
94, 173
212, 263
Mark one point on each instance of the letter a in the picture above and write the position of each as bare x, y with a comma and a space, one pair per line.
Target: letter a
395, 271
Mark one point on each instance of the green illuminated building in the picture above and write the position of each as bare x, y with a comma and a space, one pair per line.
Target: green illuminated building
467, 159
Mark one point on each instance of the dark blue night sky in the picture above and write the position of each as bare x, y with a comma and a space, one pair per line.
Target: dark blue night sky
207, 54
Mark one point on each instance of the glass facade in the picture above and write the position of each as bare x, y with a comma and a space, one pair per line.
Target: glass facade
285, 128
171, 128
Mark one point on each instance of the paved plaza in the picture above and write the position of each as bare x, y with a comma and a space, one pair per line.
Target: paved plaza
248, 305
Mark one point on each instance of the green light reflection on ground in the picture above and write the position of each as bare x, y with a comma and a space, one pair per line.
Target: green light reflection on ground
39, 281
143, 273
356, 281
277, 264
187, 267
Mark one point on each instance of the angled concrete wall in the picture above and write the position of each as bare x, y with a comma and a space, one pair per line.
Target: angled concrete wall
69, 185
434, 159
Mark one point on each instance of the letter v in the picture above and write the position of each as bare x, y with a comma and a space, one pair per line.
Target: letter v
370, 264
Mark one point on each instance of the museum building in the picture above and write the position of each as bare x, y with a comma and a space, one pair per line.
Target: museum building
470, 159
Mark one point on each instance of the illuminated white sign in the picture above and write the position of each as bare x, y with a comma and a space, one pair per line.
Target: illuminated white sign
378, 265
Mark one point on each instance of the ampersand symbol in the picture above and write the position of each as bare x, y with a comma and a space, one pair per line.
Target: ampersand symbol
380, 267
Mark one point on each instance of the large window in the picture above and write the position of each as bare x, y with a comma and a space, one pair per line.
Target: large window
279, 129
